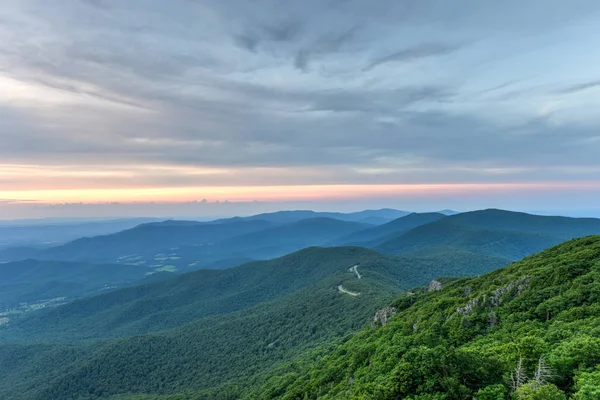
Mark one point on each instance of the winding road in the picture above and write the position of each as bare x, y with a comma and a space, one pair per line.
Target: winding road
358, 275
341, 289
355, 270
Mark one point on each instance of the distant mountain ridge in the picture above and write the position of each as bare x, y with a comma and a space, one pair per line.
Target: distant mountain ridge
508, 234
183, 245
146, 238
395, 227
182, 233
382, 215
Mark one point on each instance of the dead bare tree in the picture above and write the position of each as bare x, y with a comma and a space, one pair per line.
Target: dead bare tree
518, 377
543, 372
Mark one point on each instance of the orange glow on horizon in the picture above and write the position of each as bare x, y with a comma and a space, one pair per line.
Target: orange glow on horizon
276, 193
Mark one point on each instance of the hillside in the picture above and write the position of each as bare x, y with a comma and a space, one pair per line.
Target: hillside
381, 232
180, 331
193, 295
497, 233
260, 244
131, 261
148, 239
203, 293
287, 238
202, 354
188, 245
33, 281
511, 220
536, 320
466, 339
252, 316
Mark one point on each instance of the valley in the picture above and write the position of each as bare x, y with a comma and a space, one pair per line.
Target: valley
157, 316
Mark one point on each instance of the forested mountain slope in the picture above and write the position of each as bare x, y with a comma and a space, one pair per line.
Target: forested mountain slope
379, 233
241, 321
202, 293
499, 233
464, 341
32, 281
271, 242
194, 295
149, 239
529, 331
209, 327
188, 245
511, 220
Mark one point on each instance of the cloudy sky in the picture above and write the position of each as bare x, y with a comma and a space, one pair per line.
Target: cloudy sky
359, 103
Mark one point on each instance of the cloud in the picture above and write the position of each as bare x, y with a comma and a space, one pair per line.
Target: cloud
424, 50
579, 87
246, 41
301, 60
19, 201
278, 93
282, 31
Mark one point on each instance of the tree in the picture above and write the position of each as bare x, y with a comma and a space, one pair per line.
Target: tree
532, 391
588, 386
518, 377
543, 372
493, 392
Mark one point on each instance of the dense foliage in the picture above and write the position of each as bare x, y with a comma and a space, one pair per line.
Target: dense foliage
286, 329
498, 233
31, 281
466, 340
246, 320
213, 349
530, 331
204, 293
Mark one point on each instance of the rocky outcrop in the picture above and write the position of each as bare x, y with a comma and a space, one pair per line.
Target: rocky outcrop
500, 294
505, 293
382, 316
434, 286
469, 307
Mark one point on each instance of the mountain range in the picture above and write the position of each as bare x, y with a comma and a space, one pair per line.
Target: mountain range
157, 250
340, 322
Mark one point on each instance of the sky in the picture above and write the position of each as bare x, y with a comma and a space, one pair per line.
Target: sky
123, 107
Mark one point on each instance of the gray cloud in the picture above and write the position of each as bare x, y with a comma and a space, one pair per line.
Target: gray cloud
282, 31
579, 87
414, 53
279, 32
246, 41
301, 60
249, 85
